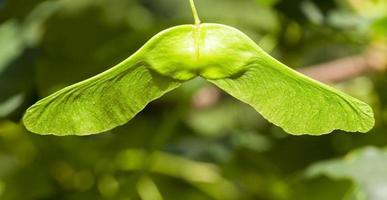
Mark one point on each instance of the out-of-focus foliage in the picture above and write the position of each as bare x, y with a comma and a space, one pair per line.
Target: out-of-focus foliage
13, 44
366, 167
175, 149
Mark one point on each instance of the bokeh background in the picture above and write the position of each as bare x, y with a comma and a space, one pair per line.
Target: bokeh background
195, 143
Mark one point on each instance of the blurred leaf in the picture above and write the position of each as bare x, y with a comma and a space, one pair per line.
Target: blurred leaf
10, 105
204, 176
252, 141
34, 24
148, 190
322, 188
346, 20
370, 8
223, 118
11, 43
366, 167
312, 12
379, 29
108, 186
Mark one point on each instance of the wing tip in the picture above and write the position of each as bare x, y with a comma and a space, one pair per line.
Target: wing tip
367, 123
318, 132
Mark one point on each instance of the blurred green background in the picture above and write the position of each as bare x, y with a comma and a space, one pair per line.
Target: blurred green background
195, 143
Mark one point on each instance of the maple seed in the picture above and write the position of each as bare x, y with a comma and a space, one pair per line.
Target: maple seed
221, 54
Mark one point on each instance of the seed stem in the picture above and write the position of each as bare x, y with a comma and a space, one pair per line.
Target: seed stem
194, 12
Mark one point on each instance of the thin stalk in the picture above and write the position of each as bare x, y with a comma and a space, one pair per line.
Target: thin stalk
194, 12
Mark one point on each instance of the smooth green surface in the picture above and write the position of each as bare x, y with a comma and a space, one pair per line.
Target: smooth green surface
218, 53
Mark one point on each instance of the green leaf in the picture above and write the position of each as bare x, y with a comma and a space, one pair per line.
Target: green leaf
218, 53
11, 104
99, 103
12, 44
379, 29
148, 190
366, 167
295, 102
204, 176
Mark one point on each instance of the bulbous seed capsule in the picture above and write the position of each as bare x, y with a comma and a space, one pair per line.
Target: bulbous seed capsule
200, 50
